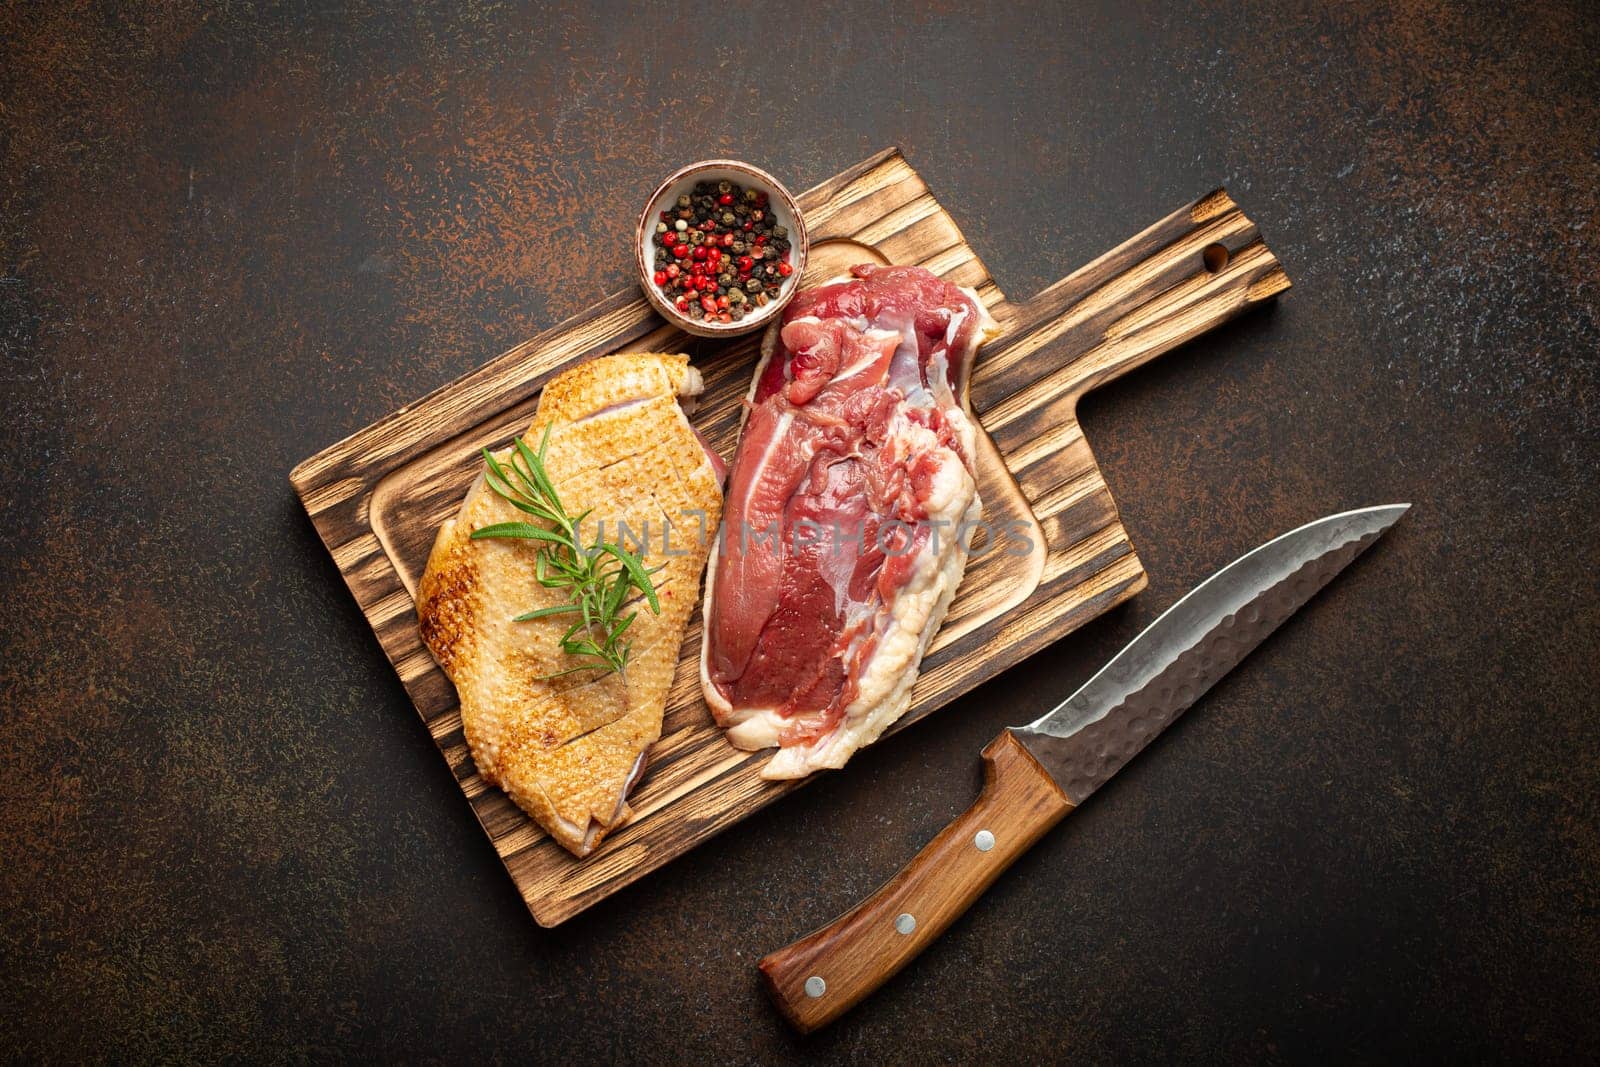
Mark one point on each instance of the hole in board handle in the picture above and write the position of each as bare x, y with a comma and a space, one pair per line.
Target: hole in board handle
1215, 257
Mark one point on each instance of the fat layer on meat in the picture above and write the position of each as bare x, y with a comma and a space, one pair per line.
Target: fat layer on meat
916, 352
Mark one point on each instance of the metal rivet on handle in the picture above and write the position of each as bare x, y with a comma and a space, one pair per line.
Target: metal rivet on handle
984, 840
815, 986
906, 922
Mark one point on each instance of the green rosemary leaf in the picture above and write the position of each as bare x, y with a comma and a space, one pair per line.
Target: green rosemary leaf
524, 472
522, 530
496, 477
541, 613
616, 590
536, 468
637, 572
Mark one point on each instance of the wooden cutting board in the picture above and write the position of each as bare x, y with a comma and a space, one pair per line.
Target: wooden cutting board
378, 497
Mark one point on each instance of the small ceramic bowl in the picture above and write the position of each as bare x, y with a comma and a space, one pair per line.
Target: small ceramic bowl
784, 209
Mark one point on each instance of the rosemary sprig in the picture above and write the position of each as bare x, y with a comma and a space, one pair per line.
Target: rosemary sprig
597, 578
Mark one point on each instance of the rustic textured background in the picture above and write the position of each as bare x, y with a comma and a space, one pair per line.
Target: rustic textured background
231, 234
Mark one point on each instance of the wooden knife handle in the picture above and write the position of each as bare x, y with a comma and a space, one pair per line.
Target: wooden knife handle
823, 975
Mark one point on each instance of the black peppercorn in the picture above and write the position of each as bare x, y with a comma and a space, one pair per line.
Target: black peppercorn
735, 247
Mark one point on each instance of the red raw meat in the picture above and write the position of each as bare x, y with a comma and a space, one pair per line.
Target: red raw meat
840, 550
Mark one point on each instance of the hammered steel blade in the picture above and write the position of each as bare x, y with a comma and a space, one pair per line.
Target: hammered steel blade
1094, 733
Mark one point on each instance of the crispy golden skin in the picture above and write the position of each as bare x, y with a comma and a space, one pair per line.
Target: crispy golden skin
568, 749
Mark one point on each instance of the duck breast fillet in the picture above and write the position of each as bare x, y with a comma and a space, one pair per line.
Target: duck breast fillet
848, 516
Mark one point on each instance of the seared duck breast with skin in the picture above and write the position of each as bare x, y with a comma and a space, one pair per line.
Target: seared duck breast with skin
843, 538
568, 747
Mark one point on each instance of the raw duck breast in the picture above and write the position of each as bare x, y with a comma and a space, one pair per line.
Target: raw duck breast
841, 545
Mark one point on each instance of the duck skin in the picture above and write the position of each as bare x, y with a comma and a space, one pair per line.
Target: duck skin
567, 748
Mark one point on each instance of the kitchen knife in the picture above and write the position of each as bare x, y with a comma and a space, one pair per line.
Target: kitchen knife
1034, 775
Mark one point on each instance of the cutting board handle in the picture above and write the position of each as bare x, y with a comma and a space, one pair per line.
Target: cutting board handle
821, 976
1198, 267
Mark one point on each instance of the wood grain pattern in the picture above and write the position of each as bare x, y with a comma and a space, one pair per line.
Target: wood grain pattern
378, 497
828, 972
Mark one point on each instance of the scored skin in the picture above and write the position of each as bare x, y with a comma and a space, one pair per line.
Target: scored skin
884, 689
568, 749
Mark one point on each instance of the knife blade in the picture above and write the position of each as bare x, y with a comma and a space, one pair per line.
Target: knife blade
1035, 775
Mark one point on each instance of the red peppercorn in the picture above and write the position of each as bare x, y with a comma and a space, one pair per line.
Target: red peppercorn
703, 273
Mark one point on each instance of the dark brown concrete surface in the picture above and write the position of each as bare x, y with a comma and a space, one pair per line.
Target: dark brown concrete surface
233, 233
